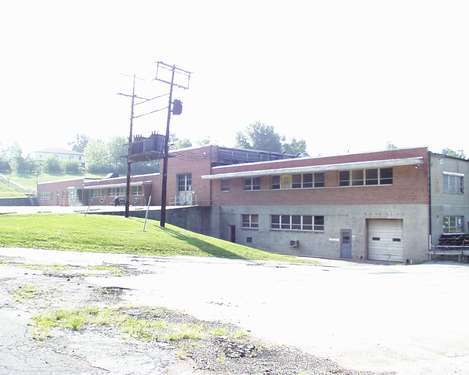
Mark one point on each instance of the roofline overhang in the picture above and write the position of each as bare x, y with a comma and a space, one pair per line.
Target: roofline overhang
319, 168
123, 184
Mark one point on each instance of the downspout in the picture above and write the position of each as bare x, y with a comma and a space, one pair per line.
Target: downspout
429, 200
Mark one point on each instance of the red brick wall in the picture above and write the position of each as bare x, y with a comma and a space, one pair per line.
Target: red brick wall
196, 161
58, 190
410, 184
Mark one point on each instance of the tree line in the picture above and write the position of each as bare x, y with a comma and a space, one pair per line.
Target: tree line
110, 155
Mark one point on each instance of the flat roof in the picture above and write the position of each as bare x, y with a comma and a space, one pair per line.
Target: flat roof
319, 168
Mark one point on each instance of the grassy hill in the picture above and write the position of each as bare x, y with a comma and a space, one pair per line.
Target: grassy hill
113, 234
6, 191
29, 182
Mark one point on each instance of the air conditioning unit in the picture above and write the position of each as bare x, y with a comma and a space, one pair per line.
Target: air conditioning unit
294, 243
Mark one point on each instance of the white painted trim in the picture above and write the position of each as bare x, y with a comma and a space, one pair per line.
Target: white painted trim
453, 174
319, 168
123, 184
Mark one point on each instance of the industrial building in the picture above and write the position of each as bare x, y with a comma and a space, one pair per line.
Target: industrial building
386, 206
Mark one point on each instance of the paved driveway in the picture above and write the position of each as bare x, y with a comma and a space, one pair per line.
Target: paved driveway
408, 319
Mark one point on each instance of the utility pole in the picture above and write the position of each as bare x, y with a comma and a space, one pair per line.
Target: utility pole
165, 156
164, 182
129, 164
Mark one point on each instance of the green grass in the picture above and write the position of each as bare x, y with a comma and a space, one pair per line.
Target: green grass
9, 192
143, 329
25, 292
114, 234
29, 181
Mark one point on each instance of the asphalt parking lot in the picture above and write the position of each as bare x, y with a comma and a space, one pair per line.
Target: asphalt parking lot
383, 318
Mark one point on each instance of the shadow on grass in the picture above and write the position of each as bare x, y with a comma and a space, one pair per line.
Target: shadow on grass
204, 246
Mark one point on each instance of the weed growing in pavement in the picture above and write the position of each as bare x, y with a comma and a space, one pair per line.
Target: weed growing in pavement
114, 270
25, 292
140, 328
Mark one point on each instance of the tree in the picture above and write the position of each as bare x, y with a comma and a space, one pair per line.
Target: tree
454, 153
97, 159
22, 166
72, 167
176, 143
259, 136
53, 166
295, 147
117, 149
79, 143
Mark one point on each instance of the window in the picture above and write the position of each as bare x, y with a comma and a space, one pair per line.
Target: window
307, 222
453, 224
372, 176
275, 183
250, 221
285, 222
44, 196
357, 177
360, 177
344, 178
385, 176
184, 182
225, 185
319, 179
297, 222
296, 181
453, 184
307, 181
319, 223
136, 190
252, 183
275, 222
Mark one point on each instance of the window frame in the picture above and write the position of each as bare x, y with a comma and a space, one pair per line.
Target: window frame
453, 228
290, 223
366, 180
251, 223
225, 184
252, 186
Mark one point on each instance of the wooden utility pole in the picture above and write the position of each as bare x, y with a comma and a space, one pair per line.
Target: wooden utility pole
129, 164
164, 183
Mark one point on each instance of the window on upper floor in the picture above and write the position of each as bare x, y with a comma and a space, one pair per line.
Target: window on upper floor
275, 182
369, 177
308, 180
453, 184
453, 224
225, 185
250, 221
252, 183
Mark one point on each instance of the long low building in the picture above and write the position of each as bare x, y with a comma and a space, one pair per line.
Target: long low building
390, 205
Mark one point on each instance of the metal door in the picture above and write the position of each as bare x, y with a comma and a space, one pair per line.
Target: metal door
233, 233
346, 243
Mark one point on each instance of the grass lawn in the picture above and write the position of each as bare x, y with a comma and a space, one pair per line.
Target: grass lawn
29, 182
114, 234
8, 192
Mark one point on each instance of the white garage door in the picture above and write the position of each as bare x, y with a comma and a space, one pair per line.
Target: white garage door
385, 240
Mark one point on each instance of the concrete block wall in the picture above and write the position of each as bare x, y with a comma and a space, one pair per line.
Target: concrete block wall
327, 244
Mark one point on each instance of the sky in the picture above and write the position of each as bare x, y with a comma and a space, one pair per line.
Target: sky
346, 76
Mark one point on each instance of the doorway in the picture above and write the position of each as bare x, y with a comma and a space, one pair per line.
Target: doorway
233, 233
346, 243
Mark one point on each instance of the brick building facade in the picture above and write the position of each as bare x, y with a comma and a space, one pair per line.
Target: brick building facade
362, 206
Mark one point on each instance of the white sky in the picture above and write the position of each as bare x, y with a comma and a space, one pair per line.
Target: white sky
344, 75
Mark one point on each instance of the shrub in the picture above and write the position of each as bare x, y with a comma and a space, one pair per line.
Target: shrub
53, 166
72, 167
